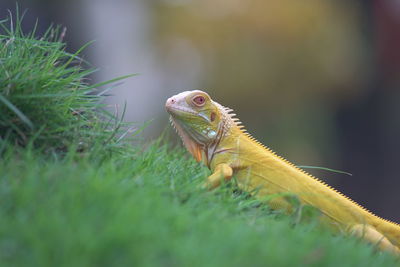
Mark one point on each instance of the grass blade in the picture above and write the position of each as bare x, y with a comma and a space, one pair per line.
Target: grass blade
324, 168
17, 112
112, 80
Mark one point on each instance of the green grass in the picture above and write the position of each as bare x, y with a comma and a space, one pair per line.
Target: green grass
45, 97
143, 208
73, 193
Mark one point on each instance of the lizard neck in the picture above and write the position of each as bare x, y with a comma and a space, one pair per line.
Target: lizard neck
227, 125
223, 144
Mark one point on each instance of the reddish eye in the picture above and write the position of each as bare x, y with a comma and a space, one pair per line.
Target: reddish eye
199, 100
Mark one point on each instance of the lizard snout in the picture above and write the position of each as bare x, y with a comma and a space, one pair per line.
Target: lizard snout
170, 102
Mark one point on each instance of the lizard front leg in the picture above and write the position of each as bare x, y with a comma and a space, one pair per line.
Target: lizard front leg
222, 172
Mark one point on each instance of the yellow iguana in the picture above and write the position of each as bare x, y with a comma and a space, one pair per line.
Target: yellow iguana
214, 136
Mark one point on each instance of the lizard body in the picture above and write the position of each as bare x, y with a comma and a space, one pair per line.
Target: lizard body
213, 135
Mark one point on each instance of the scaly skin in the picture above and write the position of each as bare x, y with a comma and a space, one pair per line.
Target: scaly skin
212, 135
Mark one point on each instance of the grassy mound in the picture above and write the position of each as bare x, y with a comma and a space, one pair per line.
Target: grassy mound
143, 208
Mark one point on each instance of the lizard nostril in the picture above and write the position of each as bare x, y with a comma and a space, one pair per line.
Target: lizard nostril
170, 102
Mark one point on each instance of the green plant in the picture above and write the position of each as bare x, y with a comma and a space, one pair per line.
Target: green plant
45, 97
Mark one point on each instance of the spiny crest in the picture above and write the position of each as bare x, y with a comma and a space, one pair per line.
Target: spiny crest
230, 119
173, 125
171, 120
226, 118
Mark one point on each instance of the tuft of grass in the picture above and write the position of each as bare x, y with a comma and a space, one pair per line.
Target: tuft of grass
45, 98
143, 207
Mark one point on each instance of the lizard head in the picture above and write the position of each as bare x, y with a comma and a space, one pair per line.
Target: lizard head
196, 118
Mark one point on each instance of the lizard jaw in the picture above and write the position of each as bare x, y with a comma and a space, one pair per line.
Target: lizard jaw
175, 110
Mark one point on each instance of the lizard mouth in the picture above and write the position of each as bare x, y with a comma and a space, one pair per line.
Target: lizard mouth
176, 110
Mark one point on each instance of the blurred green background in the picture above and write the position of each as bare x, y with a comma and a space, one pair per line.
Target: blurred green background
316, 80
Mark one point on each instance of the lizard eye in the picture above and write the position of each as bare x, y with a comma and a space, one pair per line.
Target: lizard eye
199, 100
